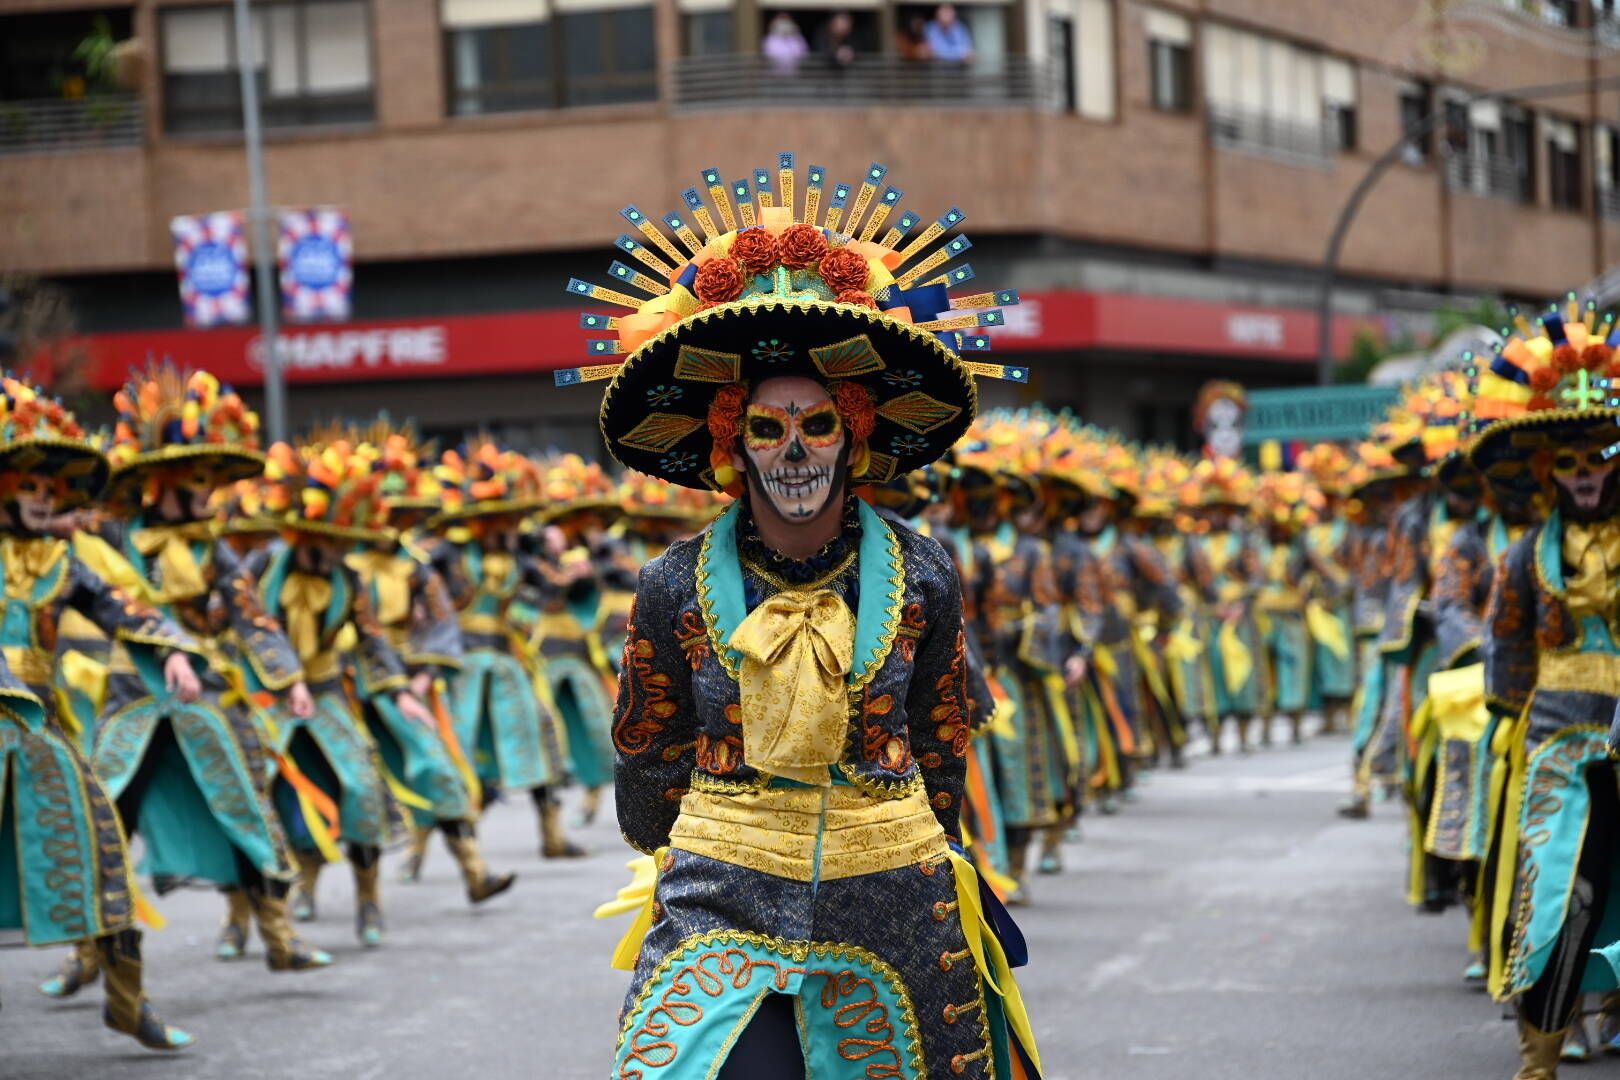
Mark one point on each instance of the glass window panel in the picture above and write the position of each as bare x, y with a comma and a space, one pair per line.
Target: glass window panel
283, 45
633, 48
197, 41
583, 39
710, 33
528, 52
338, 54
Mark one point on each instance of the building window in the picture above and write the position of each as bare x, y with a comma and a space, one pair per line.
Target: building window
1416, 103
709, 33
1094, 59
1606, 174
312, 63
1169, 61
1272, 96
1490, 149
1060, 55
1564, 165
507, 55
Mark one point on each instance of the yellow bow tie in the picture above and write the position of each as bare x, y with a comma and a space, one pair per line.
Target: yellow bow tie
28, 560
304, 600
179, 576
498, 572
390, 576
796, 648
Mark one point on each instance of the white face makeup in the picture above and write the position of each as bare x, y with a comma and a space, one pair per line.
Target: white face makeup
36, 504
792, 439
1585, 475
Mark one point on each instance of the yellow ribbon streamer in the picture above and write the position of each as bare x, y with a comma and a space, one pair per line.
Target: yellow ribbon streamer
389, 576
1327, 629
796, 647
304, 600
638, 897
179, 576
1236, 658
989, 956
105, 560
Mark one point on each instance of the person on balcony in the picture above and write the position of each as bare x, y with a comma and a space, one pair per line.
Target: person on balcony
948, 39
784, 46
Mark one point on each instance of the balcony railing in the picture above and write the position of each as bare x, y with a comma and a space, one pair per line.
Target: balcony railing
64, 125
740, 81
1495, 176
1253, 131
1608, 202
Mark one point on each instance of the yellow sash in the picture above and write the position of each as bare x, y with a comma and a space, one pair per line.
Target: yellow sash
1236, 658
389, 577
179, 576
1327, 630
796, 647
304, 600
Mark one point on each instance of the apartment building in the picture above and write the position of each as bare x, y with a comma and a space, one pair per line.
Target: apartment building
1159, 179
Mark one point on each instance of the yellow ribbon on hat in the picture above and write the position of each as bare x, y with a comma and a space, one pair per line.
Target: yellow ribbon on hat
179, 576
1236, 658
1326, 629
304, 600
389, 576
796, 648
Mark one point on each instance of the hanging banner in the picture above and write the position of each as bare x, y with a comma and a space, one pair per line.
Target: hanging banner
317, 270
210, 252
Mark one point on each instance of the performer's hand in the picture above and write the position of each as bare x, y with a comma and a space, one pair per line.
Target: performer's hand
1074, 671
411, 708
422, 684
181, 681
301, 701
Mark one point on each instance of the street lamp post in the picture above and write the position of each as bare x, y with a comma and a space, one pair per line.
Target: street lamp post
1325, 360
275, 391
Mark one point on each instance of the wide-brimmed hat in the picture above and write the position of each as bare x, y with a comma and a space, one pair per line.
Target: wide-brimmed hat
40, 437
1553, 382
781, 288
327, 487
173, 420
573, 487
483, 479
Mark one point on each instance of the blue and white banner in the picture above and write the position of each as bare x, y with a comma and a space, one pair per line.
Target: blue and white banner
210, 252
316, 253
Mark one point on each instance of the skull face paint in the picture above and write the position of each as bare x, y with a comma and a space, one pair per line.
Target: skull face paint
793, 444
1586, 481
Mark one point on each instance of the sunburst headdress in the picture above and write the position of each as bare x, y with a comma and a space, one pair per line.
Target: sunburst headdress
817, 283
39, 436
184, 426
482, 479
329, 485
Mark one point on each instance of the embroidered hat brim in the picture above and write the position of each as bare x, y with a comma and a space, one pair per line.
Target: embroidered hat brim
212, 466
1503, 451
654, 414
83, 467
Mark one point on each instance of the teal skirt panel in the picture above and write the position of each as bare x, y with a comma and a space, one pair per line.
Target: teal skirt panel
1031, 762
1371, 694
587, 715
210, 794
1289, 646
1333, 677
515, 742
418, 759
1245, 700
331, 749
64, 870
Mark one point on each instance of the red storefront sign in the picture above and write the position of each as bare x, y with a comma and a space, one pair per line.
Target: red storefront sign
541, 341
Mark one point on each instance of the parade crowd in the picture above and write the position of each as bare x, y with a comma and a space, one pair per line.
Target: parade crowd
263, 662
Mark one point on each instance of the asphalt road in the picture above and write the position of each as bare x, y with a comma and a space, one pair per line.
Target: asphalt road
1226, 925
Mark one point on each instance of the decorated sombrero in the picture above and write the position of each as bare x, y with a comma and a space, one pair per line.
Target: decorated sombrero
1552, 381
1164, 476
240, 508
647, 498
328, 486
181, 426
1328, 465
406, 465
1288, 500
1224, 482
787, 283
573, 486
40, 437
483, 479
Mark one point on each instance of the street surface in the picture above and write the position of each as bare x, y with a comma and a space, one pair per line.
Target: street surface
1226, 926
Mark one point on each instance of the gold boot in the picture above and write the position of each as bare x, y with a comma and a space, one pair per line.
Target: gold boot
302, 898
368, 920
554, 844
1538, 1052
481, 883
81, 968
233, 932
283, 951
127, 1009
410, 871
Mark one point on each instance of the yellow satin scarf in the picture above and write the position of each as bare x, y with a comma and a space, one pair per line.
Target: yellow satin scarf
797, 647
497, 572
179, 576
389, 576
304, 600
28, 560
1593, 551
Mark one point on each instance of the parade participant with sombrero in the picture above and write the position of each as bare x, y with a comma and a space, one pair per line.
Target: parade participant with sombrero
57, 815
193, 778
1228, 567
1326, 546
1285, 506
1552, 672
503, 715
792, 723
413, 606
326, 496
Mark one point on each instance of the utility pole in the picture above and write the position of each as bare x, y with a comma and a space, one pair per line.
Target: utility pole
264, 263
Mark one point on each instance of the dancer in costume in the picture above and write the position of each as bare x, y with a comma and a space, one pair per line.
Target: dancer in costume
1286, 505
589, 580
193, 778
326, 496
1328, 613
1552, 673
792, 726
412, 604
64, 867
1228, 568
503, 717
